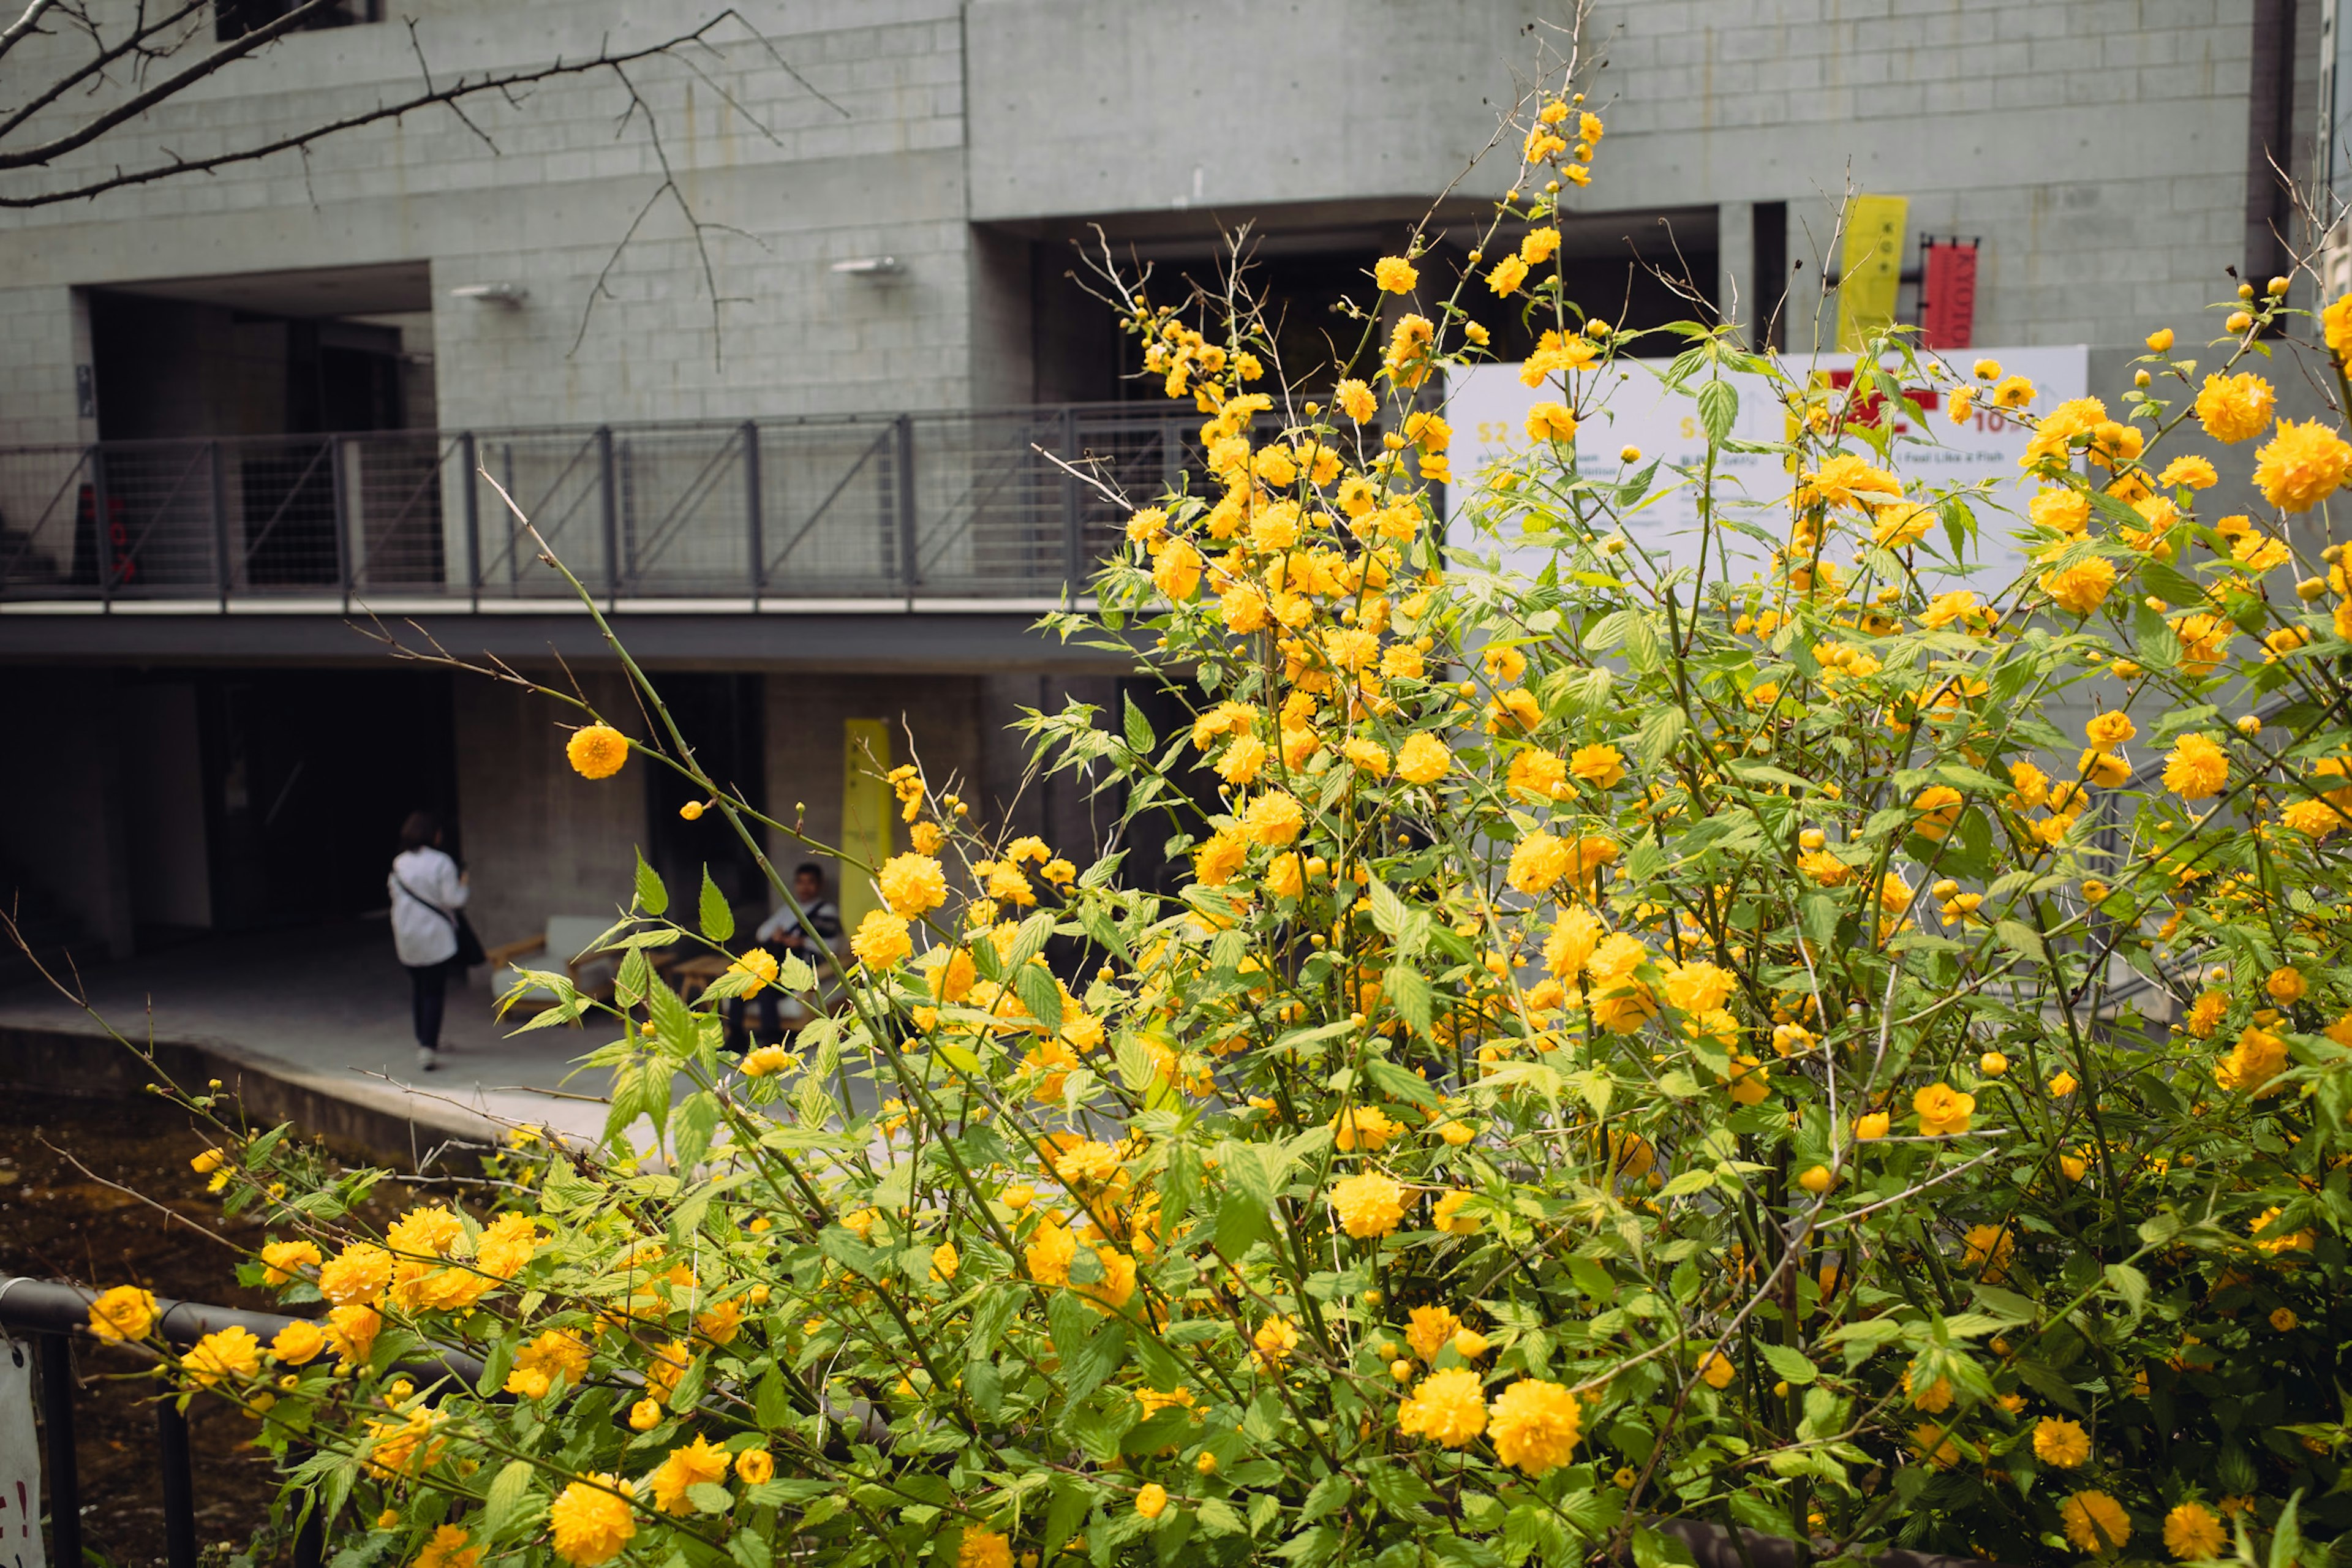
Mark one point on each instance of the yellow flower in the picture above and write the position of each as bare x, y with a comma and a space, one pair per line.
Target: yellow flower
1537, 861
2094, 1521
1215, 861
2190, 1529
1362, 1126
1849, 481
1366, 756
224, 1352
2302, 466
1942, 1110
881, 939
1177, 572
2112, 728
2061, 510
760, 965
699, 1463
2063, 1084
510, 1242
353, 1331
1716, 1371
2082, 587
596, 750
1274, 1340
1508, 274
2234, 408
591, 1520
2061, 1444
766, 1059
1428, 1329
1395, 275
448, 1549
1447, 1217
983, 1549
1550, 422
2197, 768
1356, 401
2284, 983
1152, 1501
1539, 246
1367, 1205
2258, 1057
1448, 1407
1534, 1426
298, 1342
1874, 1125
912, 885
1602, 766
944, 1262
1936, 811
2197, 473
645, 1414
279, 1259
1275, 818
356, 1276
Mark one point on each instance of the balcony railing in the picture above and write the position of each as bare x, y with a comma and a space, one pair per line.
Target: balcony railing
949, 505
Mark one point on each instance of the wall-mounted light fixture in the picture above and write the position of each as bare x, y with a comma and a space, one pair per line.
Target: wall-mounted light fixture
870, 266
509, 295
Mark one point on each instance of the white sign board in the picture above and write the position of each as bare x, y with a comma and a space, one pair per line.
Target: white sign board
20, 1461
1487, 406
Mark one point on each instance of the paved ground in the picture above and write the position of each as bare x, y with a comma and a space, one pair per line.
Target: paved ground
327, 1004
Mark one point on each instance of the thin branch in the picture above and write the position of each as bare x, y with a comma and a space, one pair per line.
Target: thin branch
23, 24
170, 87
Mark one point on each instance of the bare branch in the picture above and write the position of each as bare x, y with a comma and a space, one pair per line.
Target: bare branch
139, 103
370, 116
23, 24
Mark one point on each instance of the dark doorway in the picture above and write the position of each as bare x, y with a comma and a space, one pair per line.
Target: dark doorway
720, 715
308, 776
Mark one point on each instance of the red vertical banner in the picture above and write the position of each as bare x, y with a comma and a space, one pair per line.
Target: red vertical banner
1947, 294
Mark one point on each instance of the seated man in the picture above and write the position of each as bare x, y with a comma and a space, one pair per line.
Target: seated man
782, 933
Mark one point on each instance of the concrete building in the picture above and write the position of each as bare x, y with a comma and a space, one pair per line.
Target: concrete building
243, 410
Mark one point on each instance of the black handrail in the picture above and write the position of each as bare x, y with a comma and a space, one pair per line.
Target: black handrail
57, 1314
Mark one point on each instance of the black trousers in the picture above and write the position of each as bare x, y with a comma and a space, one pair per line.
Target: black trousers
429, 986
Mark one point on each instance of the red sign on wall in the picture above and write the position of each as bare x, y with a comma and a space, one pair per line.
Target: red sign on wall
1947, 294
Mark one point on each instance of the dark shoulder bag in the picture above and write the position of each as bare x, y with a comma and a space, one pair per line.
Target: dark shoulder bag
469, 954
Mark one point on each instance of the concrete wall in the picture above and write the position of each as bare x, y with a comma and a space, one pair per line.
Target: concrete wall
2098, 147
541, 841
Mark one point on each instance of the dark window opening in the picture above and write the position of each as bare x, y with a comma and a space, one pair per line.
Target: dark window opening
236, 18
1774, 285
723, 715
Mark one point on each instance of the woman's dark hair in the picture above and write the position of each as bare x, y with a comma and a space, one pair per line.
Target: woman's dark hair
421, 829
810, 868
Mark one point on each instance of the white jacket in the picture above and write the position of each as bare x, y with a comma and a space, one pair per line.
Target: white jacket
419, 934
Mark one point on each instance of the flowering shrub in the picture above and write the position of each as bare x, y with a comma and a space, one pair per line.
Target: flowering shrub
1634, 1044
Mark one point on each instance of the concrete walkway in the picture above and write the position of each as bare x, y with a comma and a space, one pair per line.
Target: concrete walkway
327, 1007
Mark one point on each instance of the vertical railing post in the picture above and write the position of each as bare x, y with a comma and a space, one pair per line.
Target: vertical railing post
179, 1488
342, 520
58, 1437
221, 570
473, 523
751, 499
1072, 516
101, 527
908, 572
612, 516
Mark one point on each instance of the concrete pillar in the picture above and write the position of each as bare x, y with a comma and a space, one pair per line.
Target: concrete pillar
1737, 294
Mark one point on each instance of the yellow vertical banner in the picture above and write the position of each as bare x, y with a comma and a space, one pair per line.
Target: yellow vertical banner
865, 802
1870, 268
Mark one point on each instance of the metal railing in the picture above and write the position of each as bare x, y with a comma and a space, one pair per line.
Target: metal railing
964, 505
54, 1316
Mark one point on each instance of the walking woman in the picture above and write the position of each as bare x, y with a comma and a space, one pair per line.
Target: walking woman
427, 931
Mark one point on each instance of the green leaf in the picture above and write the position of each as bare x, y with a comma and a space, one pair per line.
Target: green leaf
717, 920
749, 1550
1033, 983
1138, 728
2131, 1284
502, 1505
652, 897
1219, 1517
1073, 1500
1718, 406
2286, 1545
1325, 1496
1408, 991
1789, 1365
1091, 1347
771, 1403
1659, 734
708, 1497
2020, 939
2040, 1378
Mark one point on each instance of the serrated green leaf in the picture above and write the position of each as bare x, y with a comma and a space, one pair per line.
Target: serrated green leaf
717, 918
652, 897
